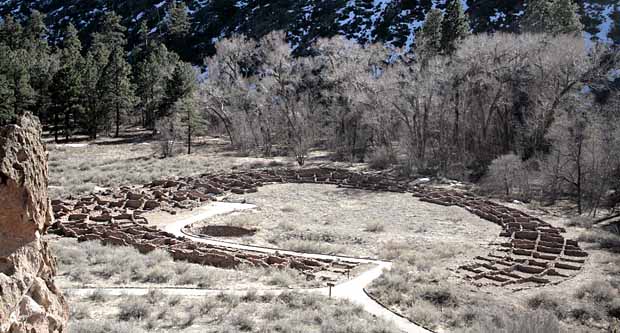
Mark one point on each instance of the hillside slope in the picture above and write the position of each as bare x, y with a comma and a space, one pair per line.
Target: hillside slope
390, 21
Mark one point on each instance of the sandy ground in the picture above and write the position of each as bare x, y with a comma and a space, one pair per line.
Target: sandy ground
353, 222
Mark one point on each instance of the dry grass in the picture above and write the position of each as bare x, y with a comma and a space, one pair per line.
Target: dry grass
433, 297
327, 219
287, 312
602, 239
106, 163
91, 263
525, 322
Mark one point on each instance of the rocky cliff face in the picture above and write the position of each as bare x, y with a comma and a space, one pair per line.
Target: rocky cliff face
29, 300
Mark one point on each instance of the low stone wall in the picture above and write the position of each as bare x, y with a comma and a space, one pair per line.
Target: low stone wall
147, 239
532, 250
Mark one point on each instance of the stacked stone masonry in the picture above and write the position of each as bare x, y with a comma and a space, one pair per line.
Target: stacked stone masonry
531, 250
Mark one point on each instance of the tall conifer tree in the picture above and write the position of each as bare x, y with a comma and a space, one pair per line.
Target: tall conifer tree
454, 27
429, 37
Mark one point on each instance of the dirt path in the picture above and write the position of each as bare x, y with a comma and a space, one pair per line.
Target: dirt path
352, 290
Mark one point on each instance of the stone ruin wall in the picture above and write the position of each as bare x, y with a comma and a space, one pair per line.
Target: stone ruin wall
531, 250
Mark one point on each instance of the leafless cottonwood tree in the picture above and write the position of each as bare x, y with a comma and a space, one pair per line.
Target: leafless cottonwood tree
496, 95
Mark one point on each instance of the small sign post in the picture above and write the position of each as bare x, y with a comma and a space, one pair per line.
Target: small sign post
330, 285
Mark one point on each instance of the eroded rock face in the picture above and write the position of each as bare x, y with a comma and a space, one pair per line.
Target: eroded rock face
29, 300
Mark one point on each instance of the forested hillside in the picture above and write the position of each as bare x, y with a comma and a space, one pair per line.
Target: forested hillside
394, 22
534, 111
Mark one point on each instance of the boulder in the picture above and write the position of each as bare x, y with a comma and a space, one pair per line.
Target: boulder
29, 299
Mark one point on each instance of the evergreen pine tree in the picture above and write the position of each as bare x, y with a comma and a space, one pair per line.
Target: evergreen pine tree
35, 33
6, 113
71, 47
454, 27
565, 17
178, 22
178, 26
104, 67
151, 76
41, 63
178, 102
116, 88
110, 35
142, 46
537, 16
551, 16
66, 88
20, 95
429, 37
93, 113
11, 33
6, 109
66, 104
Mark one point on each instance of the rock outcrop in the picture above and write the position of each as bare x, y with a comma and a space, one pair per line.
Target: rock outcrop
29, 300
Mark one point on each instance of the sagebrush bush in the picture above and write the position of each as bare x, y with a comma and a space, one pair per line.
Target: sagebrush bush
103, 326
242, 322
134, 309
519, 322
375, 227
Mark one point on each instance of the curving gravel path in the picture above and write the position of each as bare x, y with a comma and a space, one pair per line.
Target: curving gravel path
352, 290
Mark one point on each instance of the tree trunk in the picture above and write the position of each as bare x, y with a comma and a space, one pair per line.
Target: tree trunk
118, 121
66, 126
55, 127
456, 119
189, 138
579, 209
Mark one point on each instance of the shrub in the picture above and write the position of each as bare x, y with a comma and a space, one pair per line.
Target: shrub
438, 295
598, 292
375, 227
97, 296
79, 312
382, 158
207, 305
250, 296
308, 246
425, 314
153, 296
614, 308
585, 312
158, 274
242, 321
134, 308
527, 322
196, 275
169, 134
581, 221
506, 175
605, 240
103, 326
546, 302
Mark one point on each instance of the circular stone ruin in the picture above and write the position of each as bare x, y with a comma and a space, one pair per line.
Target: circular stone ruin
226, 231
